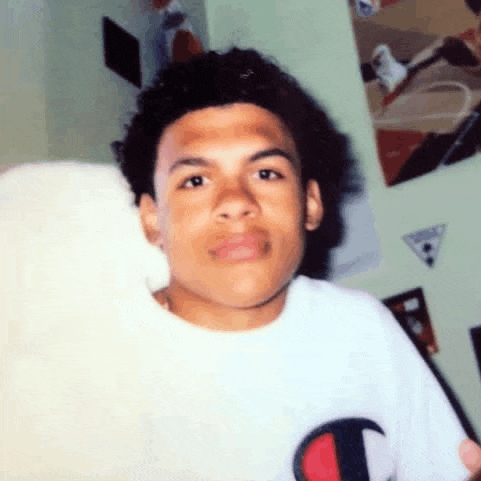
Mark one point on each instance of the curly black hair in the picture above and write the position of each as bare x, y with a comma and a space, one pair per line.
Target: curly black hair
215, 79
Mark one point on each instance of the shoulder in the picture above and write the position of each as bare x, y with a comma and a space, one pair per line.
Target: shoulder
346, 312
331, 296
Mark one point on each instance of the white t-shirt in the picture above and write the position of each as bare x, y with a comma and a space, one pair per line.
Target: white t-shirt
331, 390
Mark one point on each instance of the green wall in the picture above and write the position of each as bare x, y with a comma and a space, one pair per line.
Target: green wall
57, 99
23, 135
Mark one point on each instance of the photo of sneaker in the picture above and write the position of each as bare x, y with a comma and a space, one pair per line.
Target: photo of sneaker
389, 71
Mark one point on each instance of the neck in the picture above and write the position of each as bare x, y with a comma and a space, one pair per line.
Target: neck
217, 316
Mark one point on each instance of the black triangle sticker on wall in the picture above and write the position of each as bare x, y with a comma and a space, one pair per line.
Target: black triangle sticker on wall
425, 243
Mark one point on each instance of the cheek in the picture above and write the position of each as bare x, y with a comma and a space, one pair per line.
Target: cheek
289, 234
182, 225
289, 210
295, 221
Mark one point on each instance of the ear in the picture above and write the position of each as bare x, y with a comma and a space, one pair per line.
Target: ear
148, 213
314, 209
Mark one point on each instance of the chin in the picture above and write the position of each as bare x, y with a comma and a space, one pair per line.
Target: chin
248, 293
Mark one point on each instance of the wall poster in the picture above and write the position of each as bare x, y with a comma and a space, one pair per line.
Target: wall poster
411, 311
421, 65
175, 39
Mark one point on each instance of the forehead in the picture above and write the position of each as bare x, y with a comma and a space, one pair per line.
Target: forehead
212, 126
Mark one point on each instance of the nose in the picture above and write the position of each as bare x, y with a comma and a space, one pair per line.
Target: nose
236, 203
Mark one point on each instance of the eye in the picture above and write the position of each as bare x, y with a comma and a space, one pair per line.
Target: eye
194, 181
269, 174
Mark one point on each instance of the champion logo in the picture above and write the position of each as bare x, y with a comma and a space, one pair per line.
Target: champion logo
334, 452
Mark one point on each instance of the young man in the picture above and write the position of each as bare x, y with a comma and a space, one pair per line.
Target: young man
262, 373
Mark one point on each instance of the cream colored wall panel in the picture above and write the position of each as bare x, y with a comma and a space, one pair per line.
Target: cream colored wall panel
19, 107
22, 142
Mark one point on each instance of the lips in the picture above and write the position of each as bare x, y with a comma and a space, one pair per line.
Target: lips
241, 247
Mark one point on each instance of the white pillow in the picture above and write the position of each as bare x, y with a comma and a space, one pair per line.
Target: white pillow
70, 238
75, 269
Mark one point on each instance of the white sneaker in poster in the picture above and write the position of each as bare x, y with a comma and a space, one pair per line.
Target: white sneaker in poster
389, 71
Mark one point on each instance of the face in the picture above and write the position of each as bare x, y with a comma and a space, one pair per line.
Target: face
230, 213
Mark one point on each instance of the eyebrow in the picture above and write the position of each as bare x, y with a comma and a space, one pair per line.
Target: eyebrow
201, 161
